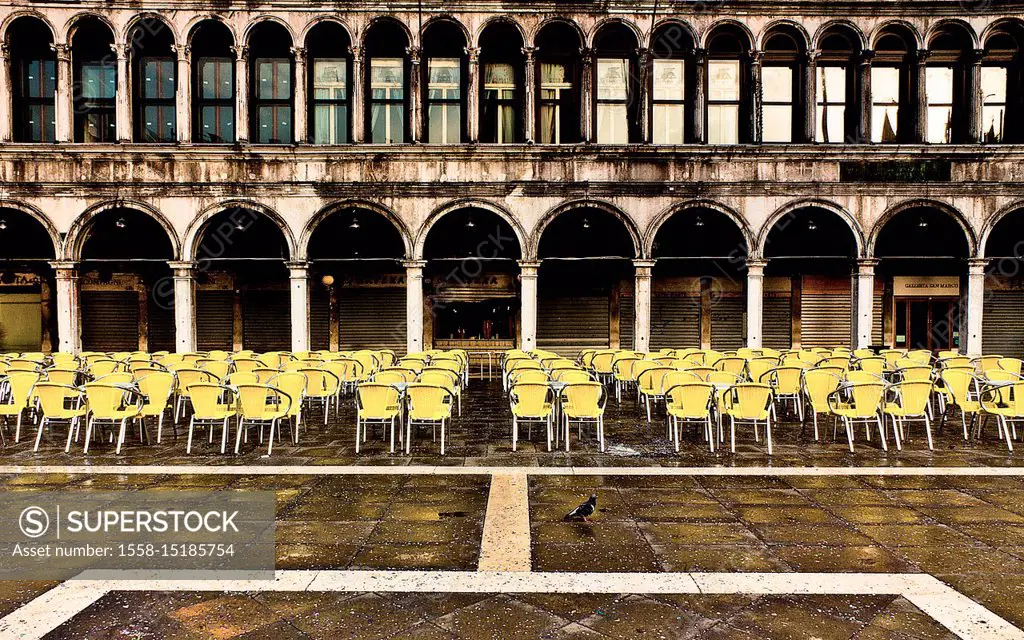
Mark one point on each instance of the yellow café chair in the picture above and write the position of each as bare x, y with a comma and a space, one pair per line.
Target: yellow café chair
861, 404
691, 402
111, 402
751, 403
260, 404
450, 380
212, 404
157, 389
427, 405
817, 385
959, 385
531, 402
910, 404
59, 403
321, 388
376, 403
584, 402
294, 384
16, 392
1006, 403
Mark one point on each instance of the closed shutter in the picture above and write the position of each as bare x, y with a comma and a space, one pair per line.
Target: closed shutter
319, 319
266, 320
777, 323
21, 321
215, 319
569, 325
161, 325
825, 320
627, 321
878, 324
727, 317
675, 322
1002, 332
372, 319
110, 320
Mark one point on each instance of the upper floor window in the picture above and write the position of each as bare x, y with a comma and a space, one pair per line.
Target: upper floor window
885, 103
836, 113
939, 97
502, 63
558, 99
213, 92
993, 113
444, 100
723, 101
95, 82
782, 94
34, 81
669, 101
387, 100
830, 93
154, 71
1001, 94
616, 75
273, 100
328, 70
777, 101
893, 117
555, 92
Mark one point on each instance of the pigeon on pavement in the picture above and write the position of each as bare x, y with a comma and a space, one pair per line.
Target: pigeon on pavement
583, 511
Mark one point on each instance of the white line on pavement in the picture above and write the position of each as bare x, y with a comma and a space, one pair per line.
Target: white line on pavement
505, 545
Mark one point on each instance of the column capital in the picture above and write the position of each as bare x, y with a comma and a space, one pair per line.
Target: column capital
120, 50
414, 54
241, 53
865, 57
62, 50
299, 53
473, 53
812, 55
530, 266
977, 266
644, 264
414, 264
529, 52
700, 55
183, 52
5, 50
755, 56
587, 55
920, 56
66, 267
643, 55
298, 268
356, 52
975, 56
755, 267
184, 266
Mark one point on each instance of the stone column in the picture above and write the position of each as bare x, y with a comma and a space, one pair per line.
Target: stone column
864, 302
529, 102
299, 121
414, 304
864, 95
642, 302
472, 100
643, 56
122, 96
587, 93
183, 94
184, 305
700, 60
415, 95
975, 303
241, 93
6, 123
918, 71
528, 304
810, 131
975, 99
65, 122
68, 325
298, 285
755, 302
356, 88
755, 95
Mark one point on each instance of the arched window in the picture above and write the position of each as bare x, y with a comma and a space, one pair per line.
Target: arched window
783, 92
329, 70
213, 71
946, 84
386, 44
154, 70
617, 73
836, 86
558, 97
728, 92
672, 82
270, 90
95, 83
501, 98
891, 112
444, 49
34, 80
1000, 85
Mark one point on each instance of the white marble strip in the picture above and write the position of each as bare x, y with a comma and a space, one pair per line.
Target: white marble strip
505, 545
963, 616
355, 470
49, 610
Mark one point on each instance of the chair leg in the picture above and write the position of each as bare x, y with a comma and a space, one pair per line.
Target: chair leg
120, 436
515, 432
814, 418
17, 429
442, 435
39, 434
270, 440
928, 432
881, 433
600, 431
188, 447
768, 433
72, 428
732, 433
548, 422
392, 434
224, 437
357, 434
238, 434
849, 432
1006, 430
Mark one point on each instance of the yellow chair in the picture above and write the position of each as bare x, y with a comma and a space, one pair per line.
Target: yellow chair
570, 376
185, 377
601, 365
757, 367
59, 402
584, 402
212, 404
984, 363
749, 402
861, 402
217, 354
293, 384
862, 353
785, 384
450, 380
817, 385
531, 402
65, 377
260, 404
921, 356
512, 366
247, 364
322, 387
348, 370
157, 389
1013, 365
914, 373
115, 403
877, 365
910, 404
427, 405
16, 393
650, 385
241, 377
732, 364
369, 360
98, 368
265, 375
959, 385
690, 402
527, 375
395, 375
219, 368
1005, 401
622, 374
376, 403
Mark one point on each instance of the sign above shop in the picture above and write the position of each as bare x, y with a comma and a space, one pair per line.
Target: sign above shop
926, 286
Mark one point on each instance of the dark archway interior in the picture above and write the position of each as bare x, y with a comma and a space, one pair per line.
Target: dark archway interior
472, 233
126, 234
586, 233
1007, 238
22, 237
386, 38
355, 234
921, 232
242, 233
699, 233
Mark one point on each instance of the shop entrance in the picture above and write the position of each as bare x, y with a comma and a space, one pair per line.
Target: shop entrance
927, 323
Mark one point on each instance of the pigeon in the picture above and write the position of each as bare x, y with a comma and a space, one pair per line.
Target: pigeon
583, 511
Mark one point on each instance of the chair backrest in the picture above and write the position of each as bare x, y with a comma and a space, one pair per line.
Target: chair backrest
892, 355
843, 362
723, 377
875, 365
748, 401
242, 377
320, 382
958, 382
1013, 365
679, 377
585, 397
376, 399
922, 356
262, 401
954, 361
270, 360
368, 359
120, 377
863, 353
292, 383
347, 369
521, 363
784, 380
571, 375
1000, 375
862, 377
623, 367
692, 399
447, 379
107, 400
701, 372
639, 366
102, 367
652, 381
756, 367
732, 364
219, 368
209, 399
188, 377
394, 374
157, 388
913, 396
818, 384
915, 373
428, 401
1008, 397
602, 362
527, 375
247, 364
53, 397
865, 398
62, 377
530, 398
561, 363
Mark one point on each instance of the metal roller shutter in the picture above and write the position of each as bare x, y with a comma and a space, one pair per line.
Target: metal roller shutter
568, 325
110, 320
372, 319
825, 320
161, 326
675, 322
727, 318
215, 319
266, 320
627, 321
1002, 331
878, 324
21, 321
777, 323
319, 319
